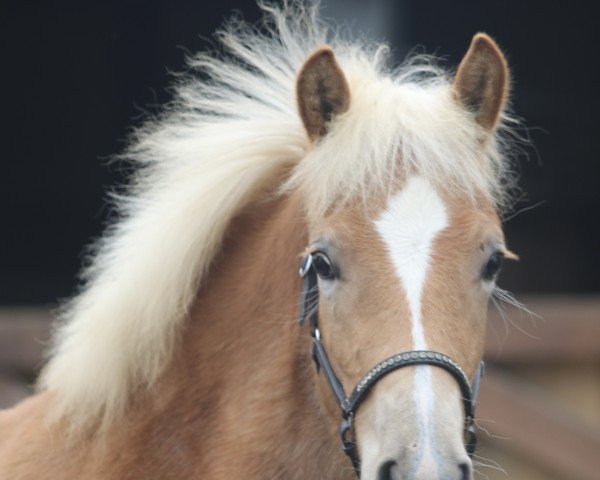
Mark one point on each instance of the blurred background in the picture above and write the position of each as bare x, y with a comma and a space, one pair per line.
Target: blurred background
77, 74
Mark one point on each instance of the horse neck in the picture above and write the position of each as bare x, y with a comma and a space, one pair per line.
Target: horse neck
244, 374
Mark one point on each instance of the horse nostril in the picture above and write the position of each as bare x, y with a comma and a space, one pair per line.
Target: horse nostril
465, 470
385, 471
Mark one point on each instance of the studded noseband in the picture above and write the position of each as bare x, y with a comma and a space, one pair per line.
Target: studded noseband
309, 304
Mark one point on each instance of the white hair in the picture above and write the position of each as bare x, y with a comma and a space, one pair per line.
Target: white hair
231, 131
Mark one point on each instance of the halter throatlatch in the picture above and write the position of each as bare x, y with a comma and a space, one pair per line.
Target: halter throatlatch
309, 303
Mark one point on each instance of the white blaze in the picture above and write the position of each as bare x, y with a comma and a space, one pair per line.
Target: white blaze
408, 226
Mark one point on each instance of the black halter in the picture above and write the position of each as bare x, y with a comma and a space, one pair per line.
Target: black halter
349, 405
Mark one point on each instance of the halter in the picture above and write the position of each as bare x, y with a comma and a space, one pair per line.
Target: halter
309, 303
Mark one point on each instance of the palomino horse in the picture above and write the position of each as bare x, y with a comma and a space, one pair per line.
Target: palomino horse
182, 356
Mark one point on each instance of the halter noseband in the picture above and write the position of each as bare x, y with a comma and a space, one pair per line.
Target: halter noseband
309, 303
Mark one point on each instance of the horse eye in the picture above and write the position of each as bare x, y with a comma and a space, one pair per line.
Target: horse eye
323, 266
492, 268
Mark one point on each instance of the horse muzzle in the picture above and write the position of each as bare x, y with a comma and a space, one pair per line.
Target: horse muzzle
411, 428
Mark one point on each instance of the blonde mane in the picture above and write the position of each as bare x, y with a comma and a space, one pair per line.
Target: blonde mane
229, 134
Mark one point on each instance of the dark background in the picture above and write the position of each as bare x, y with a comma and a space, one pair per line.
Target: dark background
76, 75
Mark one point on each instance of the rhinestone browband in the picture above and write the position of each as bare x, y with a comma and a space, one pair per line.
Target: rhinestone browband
400, 360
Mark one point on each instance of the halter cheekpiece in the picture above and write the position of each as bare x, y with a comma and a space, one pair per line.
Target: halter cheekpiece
309, 307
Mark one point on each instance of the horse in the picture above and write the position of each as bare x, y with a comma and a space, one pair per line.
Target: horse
186, 352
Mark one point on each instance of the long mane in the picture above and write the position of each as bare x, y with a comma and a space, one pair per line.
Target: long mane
230, 133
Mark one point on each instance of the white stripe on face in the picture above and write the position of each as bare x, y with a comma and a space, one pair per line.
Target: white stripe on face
408, 226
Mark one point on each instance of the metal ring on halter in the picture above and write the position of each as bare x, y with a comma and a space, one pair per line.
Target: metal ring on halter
309, 302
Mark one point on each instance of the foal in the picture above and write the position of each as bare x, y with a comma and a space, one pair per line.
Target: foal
182, 356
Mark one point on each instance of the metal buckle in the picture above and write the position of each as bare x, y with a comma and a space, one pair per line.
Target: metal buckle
316, 333
346, 434
305, 265
471, 443
349, 443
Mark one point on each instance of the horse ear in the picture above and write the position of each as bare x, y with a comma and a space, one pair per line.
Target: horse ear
481, 83
322, 91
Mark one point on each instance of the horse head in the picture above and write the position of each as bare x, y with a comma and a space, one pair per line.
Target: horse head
409, 267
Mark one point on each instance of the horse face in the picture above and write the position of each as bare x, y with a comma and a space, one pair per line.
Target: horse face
415, 273
408, 270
